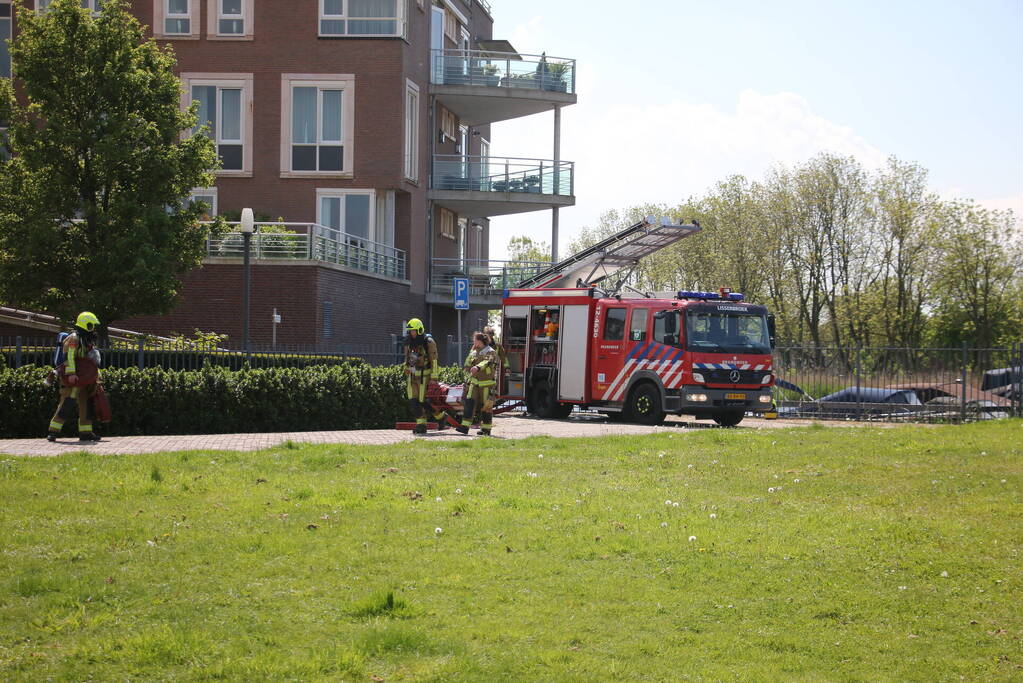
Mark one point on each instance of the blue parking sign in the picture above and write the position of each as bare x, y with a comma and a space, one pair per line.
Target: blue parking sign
461, 293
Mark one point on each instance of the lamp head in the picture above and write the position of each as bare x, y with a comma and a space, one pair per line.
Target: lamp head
248, 223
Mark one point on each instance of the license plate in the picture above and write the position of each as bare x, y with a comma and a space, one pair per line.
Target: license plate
735, 397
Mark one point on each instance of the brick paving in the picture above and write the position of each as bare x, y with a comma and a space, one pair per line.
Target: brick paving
510, 426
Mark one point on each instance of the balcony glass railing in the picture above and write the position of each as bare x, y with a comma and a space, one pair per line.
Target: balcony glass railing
315, 242
486, 278
503, 70
502, 174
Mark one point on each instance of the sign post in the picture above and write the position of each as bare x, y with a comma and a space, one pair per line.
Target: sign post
461, 289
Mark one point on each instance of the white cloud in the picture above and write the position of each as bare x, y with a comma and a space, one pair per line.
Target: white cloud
632, 153
1002, 203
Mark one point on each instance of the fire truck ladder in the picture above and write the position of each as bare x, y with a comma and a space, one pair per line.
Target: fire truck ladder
621, 251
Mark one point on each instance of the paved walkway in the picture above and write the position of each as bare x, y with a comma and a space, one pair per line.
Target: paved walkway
511, 426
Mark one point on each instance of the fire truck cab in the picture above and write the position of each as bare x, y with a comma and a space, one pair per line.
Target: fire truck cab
635, 357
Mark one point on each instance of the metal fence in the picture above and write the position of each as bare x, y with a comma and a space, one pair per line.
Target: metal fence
829, 383
898, 384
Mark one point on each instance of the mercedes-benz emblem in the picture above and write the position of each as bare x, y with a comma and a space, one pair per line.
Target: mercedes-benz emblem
734, 376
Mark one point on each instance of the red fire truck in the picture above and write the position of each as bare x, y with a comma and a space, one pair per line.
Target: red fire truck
573, 338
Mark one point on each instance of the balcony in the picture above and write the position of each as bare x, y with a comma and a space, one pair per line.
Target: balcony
499, 186
487, 279
312, 242
483, 87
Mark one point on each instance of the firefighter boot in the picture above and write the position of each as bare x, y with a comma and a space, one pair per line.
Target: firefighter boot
420, 428
486, 424
468, 408
52, 436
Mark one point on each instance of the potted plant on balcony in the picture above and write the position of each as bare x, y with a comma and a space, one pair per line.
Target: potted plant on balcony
491, 75
554, 77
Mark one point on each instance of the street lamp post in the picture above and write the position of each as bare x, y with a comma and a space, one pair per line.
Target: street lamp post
247, 227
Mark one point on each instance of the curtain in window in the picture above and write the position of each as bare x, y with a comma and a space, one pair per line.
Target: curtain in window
231, 114
303, 115
330, 212
361, 11
357, 215
177, 6
332, 115
206, 95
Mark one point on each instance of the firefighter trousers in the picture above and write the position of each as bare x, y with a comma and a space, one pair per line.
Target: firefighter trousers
479, 396
415, 389
69, 396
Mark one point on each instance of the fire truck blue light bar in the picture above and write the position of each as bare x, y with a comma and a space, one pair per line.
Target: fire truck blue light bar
733, 296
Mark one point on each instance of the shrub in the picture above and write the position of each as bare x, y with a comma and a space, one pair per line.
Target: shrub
215, 400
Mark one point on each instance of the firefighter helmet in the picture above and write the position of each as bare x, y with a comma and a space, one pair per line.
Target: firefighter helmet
415, 324
87, 321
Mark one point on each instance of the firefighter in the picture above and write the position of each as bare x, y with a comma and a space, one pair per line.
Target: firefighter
79, 378
421, 367
494, 342
480, 384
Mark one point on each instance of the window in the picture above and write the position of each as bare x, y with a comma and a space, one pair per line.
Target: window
93, 5
661, 334
208, 196
328, 319
220, 109
451, 26
637, 329
411, 130
614, 324
350, 211
229, 19
176, 19
447, 224
362, 18
317, 125
225, 103
5, 34
448, 125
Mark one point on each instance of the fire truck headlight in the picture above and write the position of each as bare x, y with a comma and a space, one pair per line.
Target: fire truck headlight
698, 377
765, 398
766, 379
696, 397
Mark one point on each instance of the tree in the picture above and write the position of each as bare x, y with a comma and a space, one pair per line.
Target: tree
92, 208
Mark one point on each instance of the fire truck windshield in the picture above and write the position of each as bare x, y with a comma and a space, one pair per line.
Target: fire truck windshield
717, 331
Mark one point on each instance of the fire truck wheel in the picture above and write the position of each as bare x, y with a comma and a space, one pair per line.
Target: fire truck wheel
545, 404
729, 418
644, 405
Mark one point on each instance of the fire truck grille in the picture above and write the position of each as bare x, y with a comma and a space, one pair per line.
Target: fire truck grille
725, 376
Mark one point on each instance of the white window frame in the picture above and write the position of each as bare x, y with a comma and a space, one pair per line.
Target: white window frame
401, 20
206, 192
225, 81
331, 193
214, 16
343, 82
161, 12
412, 133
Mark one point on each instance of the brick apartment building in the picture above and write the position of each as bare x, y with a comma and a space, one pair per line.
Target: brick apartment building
364, 127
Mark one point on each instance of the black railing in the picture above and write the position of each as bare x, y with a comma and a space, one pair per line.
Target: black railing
20, 351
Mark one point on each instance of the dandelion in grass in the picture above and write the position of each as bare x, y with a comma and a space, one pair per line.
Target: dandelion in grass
540, 456
944, 574
674, 504
713, 515
531, 474
692, 539
438, 531
902, 588
661, 454
458, 490
439, 499
770, 490
795, 481
690, 466
664, 525
667, 502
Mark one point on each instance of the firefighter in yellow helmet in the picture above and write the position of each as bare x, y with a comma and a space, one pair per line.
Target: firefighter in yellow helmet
79, 377
480, 386
420, 367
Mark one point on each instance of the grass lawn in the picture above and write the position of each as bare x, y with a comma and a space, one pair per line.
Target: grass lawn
792, 554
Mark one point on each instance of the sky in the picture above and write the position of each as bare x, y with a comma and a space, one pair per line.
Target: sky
675, 95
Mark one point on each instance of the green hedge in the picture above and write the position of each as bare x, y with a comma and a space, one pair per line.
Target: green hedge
216, 400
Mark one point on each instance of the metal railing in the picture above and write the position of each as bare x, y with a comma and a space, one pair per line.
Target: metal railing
898, 384
485, 4
181, 354
503, 174
486, 278
503, 70
313, 242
